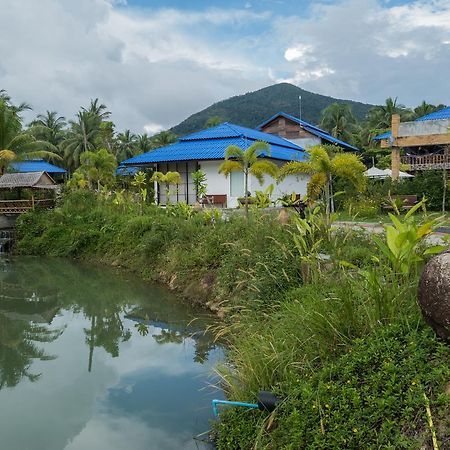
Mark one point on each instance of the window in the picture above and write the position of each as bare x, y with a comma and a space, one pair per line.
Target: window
237, 184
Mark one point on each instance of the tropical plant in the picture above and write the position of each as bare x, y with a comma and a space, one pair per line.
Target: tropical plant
81, 138
380, 117
125, 145
404, 247
263, 199
50, 127
97, 109
98, 167
17, 144
167, 179
426, 108
338, 119
324, 166
140, 181
249, 162
143, 143
199, 181
163, 138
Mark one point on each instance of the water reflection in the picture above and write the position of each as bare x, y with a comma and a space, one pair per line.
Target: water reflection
72, 347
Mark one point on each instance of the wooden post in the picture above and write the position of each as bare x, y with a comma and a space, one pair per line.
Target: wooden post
395, 153
32, 200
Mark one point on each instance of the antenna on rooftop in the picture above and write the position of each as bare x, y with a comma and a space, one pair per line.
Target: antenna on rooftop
300, 106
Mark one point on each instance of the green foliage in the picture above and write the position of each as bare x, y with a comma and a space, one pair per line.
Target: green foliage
199, 181
98, 168
371, 397
263, 199
253, 108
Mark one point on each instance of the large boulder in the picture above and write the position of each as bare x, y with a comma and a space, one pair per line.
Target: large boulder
434, 294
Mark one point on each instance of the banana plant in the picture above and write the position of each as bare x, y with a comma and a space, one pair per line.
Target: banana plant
405, 246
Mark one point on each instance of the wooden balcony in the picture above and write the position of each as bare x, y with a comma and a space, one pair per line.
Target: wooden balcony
21, 206
427, 162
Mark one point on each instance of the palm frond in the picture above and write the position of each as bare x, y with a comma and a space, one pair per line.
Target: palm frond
316, 184
229, 166
296, 168
233, 151
263, 167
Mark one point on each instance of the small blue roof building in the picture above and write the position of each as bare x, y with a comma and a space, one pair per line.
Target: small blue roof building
205, 150
36, 165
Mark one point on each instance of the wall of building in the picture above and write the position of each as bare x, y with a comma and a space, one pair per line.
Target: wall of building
219, 185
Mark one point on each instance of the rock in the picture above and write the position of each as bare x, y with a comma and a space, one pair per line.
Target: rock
434, 294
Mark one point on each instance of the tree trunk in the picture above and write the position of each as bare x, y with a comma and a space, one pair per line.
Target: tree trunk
167, 195
246, 192
444, 187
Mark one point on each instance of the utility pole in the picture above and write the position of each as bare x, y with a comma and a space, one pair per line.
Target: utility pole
300, 106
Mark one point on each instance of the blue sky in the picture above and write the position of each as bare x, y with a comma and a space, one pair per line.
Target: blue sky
155, 62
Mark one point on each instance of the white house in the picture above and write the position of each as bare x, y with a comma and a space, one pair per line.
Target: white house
205, 150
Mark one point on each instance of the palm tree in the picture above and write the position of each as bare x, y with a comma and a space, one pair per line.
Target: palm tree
164, 138
143, 143
167, 179
380, 117
426, 108
125, 145
97, 109
81, 138
17, 144
248, 162
324, 166
338, 119
50, 126
98, 167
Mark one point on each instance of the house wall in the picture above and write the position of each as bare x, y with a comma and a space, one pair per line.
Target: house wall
292, 131
219, 185
183, 192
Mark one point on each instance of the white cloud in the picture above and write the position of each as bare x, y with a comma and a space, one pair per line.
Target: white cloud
366, 50
153, 128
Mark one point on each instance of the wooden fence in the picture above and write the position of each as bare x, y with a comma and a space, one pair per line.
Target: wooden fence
21, 206
427, 162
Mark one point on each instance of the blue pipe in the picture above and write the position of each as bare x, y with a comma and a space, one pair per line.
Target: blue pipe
215, 403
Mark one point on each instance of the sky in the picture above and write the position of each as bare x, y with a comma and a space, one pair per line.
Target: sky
155, 62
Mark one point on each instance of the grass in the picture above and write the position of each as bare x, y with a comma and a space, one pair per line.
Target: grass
340, 337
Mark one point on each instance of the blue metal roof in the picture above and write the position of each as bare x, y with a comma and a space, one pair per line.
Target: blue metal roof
311, 129
385, 135
35, 165
211, 144
437, 115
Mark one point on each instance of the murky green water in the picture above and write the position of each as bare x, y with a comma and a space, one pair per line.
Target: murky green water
77, 372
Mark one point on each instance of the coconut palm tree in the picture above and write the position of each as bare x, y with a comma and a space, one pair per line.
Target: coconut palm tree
164, 138
167, 179
380, 117
19, 144
125, 145
97, 109
426, 108
50, 127
143, 143
324, 166
81, 138
338, 119
248, 162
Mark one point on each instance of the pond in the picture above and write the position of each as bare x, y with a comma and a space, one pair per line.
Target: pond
91, 358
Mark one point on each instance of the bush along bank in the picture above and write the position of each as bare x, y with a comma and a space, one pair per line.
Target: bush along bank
325, 319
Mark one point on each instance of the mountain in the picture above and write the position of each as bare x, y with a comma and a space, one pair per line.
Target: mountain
254, 107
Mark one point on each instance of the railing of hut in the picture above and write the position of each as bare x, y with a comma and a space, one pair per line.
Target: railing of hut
427, 162
21, 206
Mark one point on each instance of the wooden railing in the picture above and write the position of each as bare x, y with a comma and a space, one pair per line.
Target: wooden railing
427, 162
21, 206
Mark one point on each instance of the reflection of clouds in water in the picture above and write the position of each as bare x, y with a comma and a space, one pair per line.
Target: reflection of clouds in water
69, 404
117, 433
